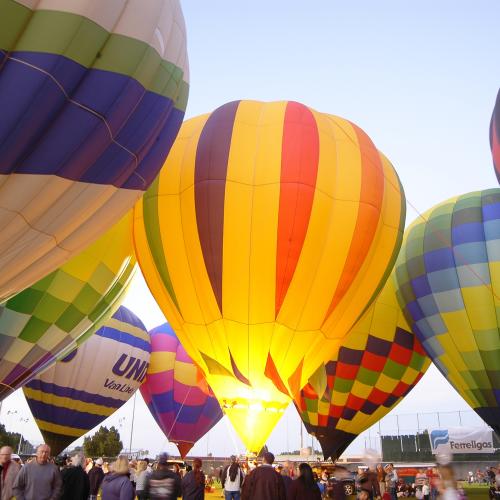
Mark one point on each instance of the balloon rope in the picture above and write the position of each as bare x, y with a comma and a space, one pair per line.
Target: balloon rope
80, 105
439, 233
178, 413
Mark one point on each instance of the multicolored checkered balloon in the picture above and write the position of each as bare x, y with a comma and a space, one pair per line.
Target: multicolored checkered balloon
60, 311
448, 275
378, 363
177, 393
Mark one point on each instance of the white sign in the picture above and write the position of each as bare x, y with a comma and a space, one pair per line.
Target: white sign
461, 440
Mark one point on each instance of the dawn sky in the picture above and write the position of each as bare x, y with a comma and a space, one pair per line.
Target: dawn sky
419, 77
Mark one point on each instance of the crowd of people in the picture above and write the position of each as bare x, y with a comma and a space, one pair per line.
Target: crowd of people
78, 478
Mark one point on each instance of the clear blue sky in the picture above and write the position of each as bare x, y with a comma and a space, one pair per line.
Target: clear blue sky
419, 77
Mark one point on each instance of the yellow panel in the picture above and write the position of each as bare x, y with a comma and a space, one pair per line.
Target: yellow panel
160, 360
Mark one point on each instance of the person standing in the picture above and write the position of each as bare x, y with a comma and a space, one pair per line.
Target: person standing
38, 480
76, 485
193, 483
9, 471
232, 479
163, 484
264, 483
140, 479
116, 485
304, 487
96, 475
381, 479
391, 481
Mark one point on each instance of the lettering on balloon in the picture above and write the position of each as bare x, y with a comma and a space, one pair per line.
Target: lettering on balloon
115, 386
134, 368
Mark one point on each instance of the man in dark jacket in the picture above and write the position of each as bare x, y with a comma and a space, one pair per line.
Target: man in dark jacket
163, 484
264, 483
76, 484
96, 475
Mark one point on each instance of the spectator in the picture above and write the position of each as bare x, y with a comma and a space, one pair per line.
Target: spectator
368, 481
304, 487
193, 483
231, 480
285, 474
264, 483
391, 481
141, 478
116, 485
96, 475
75, 480
38, 480
381, 479
163, 484
9, 470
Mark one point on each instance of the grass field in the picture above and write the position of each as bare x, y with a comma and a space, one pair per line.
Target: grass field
476, 492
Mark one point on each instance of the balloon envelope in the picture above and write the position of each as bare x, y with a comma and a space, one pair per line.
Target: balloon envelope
176, 392
90, 384
495, 136
92, 95
269, 228
61, 310
448, 276
379, 362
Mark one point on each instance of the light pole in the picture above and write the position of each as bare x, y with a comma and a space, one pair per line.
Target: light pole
23, 420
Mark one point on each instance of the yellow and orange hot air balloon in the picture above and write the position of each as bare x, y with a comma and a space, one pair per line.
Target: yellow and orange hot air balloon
270, 228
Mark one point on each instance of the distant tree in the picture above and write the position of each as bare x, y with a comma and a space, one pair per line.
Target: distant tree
12, 439
104, 443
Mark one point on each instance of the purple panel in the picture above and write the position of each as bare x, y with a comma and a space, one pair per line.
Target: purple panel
42, 133
437, 260
467, 233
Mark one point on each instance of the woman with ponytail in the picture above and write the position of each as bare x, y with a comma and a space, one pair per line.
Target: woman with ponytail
193, 484
232, 479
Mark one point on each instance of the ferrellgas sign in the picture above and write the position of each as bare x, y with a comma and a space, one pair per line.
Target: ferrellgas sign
462, 440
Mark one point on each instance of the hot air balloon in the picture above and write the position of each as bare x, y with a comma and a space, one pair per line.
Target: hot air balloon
91, 383
177, 393
60, 311
269, 229
92, 96
495, 136
449, 284
379, 362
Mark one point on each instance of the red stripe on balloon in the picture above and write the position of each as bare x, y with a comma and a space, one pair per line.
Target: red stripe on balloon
370, 207
212, 156
299, 170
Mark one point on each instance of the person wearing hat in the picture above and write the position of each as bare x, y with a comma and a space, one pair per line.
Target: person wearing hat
163, 484
96, 475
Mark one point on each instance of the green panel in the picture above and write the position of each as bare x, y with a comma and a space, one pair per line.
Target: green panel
70, 318
34, 329
417, 361
25, 302
90, 45
154, 237
494, 376
63, 33
488, 340
491, 359
394, 370
13, 20
87, 299
368, 377
49, 308
342, 385
481, 378
473, 360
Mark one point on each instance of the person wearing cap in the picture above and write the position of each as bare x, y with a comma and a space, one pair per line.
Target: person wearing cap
9, 471
96, 475
163, 484
264, 483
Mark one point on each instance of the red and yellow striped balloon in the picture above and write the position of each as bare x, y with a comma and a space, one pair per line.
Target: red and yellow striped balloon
270, 228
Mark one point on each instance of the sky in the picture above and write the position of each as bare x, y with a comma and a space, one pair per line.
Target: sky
419, 77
